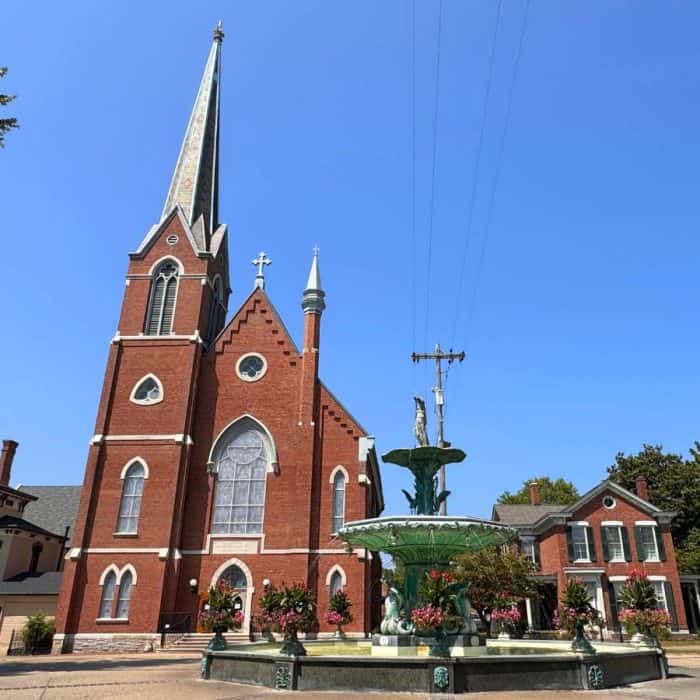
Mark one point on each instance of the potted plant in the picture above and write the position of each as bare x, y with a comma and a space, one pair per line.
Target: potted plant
641, 615
219, 615
576, 613
269, 603
291, 610
339, 612
437, 616
505, 615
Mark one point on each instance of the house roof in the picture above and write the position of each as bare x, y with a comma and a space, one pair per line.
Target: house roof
47, 583
55, 509
12, 522
543, 515
525, 514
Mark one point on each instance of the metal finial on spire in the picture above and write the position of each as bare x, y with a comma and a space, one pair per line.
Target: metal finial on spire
313, 299
260, 263
219, 31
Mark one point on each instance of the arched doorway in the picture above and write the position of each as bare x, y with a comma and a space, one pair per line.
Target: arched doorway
237, 575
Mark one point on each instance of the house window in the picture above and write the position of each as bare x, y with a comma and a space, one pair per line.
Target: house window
336, 583
338, 501
647, 545
579, 541
616, 549
239, 499
130, 506
124, 595
161, 307
108, 588
660, 591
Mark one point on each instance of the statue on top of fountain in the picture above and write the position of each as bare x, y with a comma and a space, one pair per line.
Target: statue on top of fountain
424, 461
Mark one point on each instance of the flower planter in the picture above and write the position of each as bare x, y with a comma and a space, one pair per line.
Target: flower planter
218, 643
292, 646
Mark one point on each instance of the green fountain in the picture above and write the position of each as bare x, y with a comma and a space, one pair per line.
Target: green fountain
422, 541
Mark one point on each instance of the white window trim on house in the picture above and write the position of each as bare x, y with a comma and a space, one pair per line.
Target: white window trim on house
617, 525
584, 525
652, 525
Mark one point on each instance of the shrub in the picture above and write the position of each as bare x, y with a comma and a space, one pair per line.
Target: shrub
37, 629
220, 611
290, 610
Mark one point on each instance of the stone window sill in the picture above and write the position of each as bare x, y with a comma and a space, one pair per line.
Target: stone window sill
111, 620
125, 534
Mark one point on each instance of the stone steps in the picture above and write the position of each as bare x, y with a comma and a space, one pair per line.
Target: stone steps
196, 642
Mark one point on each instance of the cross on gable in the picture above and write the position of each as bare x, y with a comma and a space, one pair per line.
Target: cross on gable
260, 263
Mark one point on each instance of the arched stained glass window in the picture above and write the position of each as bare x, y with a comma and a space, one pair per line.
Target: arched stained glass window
124, 595
161, 308
336, 583
130, 506
234, 577
240, 484
107, 599
338, 501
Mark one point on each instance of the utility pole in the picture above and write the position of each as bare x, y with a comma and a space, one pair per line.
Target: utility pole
439, 356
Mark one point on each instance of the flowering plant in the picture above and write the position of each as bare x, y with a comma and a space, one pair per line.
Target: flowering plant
219, 610
637, 592
507, 619
576, 610
339, 609
652, 622
289, 610
427, 618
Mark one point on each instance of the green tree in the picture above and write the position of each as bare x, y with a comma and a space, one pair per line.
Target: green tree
38, 628
6, 123
490, 572
559, 492
674, 484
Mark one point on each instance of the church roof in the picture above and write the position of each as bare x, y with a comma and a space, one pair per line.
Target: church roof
46, 583
195, 182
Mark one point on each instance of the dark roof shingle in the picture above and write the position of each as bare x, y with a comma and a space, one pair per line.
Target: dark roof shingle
525, 514
47, 583
55, 509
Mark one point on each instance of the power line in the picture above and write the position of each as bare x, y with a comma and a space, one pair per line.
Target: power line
475, 172
432, 185
497, 173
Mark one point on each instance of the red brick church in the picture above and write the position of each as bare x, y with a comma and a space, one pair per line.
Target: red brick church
218, 452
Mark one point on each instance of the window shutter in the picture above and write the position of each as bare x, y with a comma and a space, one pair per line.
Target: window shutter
536, 551
615, 620
153, 325
626, 543
591, 544
638, 540
169, 306
569, 544
660, 543
670, 601
604, 540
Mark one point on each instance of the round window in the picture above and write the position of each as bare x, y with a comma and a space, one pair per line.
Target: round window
608, 501
172, 239
251, 367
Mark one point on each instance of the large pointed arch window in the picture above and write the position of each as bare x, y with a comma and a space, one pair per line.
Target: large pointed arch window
161, 307
130, 505
124, 595
241, 461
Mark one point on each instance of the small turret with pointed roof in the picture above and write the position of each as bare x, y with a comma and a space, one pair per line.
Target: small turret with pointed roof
313, 300
195, 183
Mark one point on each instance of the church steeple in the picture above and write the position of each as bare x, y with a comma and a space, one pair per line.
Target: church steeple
195, 184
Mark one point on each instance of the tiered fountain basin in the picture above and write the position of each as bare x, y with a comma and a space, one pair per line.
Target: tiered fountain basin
347, 666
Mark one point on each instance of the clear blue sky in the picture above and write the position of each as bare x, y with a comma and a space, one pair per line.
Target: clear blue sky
583, 336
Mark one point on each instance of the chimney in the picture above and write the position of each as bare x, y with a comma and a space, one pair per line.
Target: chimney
534, 494
9, 447
642, 487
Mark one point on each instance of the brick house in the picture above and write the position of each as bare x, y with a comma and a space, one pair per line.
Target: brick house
603, 536
218, 452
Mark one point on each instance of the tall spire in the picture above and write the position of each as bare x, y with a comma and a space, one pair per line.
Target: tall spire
312, 301
195, 183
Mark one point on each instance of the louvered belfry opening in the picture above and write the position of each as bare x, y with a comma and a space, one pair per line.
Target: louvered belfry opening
161, 309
